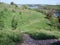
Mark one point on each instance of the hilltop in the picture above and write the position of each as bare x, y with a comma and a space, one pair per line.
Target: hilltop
19, 20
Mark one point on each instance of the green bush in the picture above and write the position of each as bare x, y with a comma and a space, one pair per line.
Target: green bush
14, 37
13, 11
6, 41
1, 25
14, 23
20, 13
12, 3
1, 20
10, 37
41, 36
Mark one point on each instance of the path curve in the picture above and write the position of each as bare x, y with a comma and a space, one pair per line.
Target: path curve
27, 40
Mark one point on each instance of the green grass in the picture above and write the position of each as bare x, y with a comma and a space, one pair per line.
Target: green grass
29, 21
9, 37
43, 34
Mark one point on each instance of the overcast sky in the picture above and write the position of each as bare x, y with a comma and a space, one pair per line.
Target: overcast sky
54, 2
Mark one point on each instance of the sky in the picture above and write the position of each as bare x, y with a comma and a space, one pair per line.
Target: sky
53, 2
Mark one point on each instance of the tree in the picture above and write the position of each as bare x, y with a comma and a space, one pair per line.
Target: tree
12, 3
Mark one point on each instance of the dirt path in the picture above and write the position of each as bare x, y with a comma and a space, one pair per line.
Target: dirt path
29, 41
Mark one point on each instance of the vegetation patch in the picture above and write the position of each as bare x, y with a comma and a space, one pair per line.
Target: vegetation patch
15, 19
41, 35
9, 37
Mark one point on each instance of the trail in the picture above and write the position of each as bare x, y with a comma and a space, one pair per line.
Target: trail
27, 40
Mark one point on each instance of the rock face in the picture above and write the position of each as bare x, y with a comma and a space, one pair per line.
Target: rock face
27, 40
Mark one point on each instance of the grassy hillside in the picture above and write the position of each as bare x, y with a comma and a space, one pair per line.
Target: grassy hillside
17, 20
57, 7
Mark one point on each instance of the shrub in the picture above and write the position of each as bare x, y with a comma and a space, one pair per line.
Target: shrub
13, 10
10, 37
14, 23
41, 36
15, 36
2, 15
1, 25
1, 20
20, 13
12, 3
25, 6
